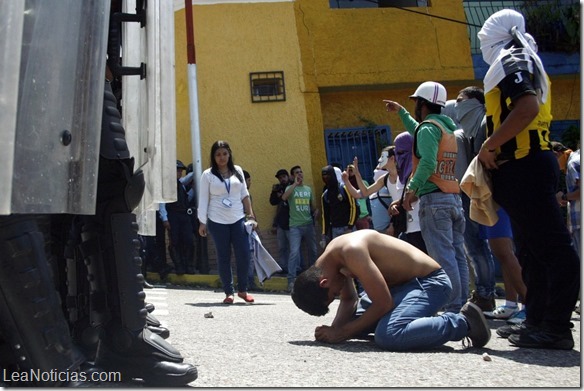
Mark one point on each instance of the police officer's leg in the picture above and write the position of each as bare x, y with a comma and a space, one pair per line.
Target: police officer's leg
161, 266
175, 248
110, 248
187, 242
32, 320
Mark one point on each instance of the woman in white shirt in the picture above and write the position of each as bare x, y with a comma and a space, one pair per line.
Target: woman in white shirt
224, 206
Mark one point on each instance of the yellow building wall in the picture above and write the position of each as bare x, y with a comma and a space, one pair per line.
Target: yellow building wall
232, 40
566, 99
382, 46
344, 109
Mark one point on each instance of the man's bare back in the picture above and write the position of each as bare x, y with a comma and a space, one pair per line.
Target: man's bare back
397, 260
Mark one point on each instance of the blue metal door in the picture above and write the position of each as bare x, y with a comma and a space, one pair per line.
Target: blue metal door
366, 143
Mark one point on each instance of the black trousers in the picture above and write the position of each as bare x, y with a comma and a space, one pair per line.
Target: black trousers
526, 189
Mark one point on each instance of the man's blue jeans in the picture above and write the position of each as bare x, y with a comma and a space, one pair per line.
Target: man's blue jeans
225, 236
307, 233
479, 253
411, 324
283, 237
338, 231
442, 225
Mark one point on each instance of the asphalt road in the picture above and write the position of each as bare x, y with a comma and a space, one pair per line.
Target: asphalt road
271, 344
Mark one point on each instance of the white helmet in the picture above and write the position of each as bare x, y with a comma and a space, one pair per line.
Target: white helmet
432, 92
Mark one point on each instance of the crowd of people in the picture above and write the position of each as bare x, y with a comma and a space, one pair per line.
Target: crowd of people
422, 198
492, 141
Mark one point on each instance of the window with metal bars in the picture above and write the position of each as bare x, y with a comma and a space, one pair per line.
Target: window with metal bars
267, 86
366, 143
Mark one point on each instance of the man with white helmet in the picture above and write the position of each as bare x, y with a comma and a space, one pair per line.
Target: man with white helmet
525, 174
434, 182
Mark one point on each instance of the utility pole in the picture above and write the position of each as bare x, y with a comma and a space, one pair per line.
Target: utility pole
202, 254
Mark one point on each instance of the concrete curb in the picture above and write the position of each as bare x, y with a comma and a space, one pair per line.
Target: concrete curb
274, 284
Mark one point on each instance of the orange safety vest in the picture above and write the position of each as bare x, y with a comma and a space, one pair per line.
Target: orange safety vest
443, 175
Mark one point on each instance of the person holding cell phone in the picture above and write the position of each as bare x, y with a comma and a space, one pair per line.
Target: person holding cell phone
302, 217
224, 207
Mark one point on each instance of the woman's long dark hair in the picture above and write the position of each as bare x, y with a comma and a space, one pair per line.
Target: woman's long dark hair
215, 169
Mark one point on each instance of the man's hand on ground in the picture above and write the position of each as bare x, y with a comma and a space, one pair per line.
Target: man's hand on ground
328, 334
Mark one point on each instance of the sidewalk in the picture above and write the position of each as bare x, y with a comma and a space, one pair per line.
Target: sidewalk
278, 283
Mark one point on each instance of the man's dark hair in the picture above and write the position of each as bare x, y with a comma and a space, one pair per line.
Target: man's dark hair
292, 170
474, 92
390, 149
307, 293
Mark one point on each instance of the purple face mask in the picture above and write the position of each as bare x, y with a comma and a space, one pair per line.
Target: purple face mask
403, 155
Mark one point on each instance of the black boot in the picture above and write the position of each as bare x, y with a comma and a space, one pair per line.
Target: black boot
127, 344
155, 326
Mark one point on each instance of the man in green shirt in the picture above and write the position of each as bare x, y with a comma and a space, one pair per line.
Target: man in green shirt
302, 215
434, 182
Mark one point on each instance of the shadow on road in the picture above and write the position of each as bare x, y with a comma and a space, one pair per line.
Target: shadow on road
365, 345
543, 357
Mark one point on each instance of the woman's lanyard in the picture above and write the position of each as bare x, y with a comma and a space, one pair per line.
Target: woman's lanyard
226, 202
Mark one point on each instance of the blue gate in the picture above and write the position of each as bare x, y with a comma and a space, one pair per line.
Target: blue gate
342, 145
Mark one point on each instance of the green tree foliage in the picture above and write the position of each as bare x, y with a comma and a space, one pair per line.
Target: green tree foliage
555, 24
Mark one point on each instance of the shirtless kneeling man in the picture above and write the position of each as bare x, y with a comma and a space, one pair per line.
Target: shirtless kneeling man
404, 287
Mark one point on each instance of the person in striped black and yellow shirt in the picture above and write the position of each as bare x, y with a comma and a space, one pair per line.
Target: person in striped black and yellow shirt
525, 174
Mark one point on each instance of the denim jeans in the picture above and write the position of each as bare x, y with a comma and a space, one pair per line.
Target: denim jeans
307, 233
526, 189
225, 236
283, 237
442, 225
338, 231
412, 324
479, 253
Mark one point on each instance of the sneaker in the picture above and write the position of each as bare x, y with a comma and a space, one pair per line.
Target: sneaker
484, 303
502, 312
478, 328
510, 329
290, 287
518, 318
543, 339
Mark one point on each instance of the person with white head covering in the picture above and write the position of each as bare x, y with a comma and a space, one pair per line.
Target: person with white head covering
524, 174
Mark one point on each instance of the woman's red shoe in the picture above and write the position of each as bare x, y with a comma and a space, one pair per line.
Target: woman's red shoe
228, 300
246, 296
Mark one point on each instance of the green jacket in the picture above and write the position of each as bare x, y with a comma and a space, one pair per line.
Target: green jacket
426, 149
